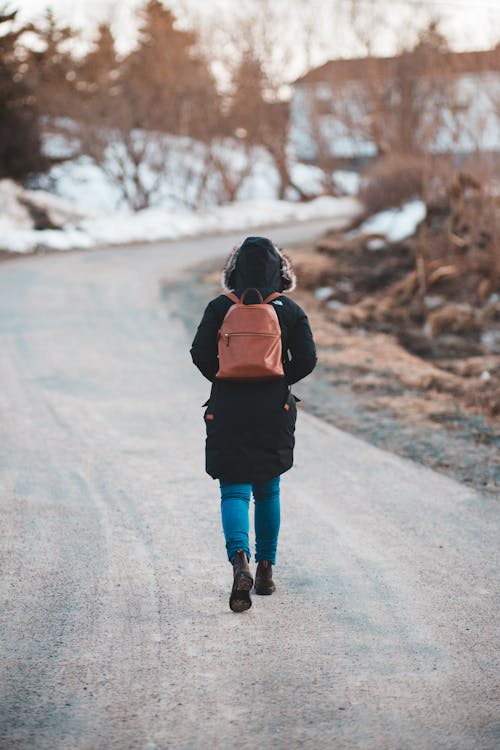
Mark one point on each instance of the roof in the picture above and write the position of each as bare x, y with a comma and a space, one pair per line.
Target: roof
356, 68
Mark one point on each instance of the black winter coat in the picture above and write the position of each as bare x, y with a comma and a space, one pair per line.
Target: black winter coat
250, 432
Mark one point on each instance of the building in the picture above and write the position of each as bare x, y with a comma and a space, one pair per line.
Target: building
351, 110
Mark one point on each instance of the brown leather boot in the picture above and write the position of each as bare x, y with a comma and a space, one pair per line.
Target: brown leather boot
264, 583
240, 600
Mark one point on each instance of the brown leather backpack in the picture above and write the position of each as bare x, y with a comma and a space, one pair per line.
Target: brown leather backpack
249, 341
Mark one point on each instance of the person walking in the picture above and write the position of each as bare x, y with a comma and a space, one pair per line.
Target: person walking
250, 421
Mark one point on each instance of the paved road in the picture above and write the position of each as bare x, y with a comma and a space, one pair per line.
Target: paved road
115, 627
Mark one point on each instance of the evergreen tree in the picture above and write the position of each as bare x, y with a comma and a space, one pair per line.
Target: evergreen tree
97, 81
100, 67
52, 68
168, 84
20, 144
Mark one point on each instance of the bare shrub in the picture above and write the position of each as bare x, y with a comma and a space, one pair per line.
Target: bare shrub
392, 181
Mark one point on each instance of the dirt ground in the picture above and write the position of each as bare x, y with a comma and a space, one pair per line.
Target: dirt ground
368, 384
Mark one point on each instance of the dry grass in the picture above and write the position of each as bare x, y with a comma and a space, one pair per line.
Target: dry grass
424, 307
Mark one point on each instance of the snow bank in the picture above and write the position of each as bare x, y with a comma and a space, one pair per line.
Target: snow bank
27, 240
18, 209
157, 224
82, 229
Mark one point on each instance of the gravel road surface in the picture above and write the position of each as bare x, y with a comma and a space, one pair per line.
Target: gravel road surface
115, 626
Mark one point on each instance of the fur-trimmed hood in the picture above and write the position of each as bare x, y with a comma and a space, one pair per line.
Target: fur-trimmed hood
257, 262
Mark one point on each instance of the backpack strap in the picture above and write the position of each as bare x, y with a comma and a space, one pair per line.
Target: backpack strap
236, 299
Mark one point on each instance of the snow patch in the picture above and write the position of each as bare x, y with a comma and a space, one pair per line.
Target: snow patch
491, 340
347, 182
396, 224
323, 292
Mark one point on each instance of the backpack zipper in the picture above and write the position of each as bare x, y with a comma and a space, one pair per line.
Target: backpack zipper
249, 333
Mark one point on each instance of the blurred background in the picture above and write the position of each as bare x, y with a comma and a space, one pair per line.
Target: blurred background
134, 121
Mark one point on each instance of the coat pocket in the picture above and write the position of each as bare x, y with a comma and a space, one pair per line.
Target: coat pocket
209, 414
287, 423
291, 400
290, 406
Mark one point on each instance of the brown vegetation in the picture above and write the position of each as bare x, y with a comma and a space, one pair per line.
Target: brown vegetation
431, 302
392, 181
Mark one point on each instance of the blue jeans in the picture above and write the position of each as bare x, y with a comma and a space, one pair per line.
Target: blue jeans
235, 501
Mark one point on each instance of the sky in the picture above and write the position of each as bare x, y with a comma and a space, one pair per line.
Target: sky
468, 24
